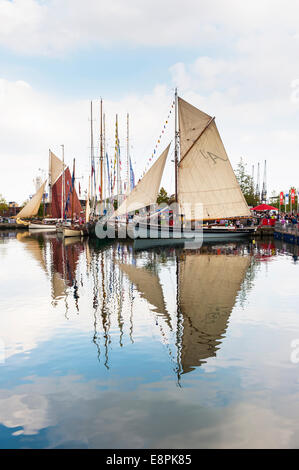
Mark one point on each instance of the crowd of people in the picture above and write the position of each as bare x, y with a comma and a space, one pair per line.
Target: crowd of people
288, 218
272, 217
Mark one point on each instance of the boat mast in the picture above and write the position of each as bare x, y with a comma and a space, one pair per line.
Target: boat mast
62, 183
128, 157
117, 162
103, 161
91, 152
73, 190
176, 133
101, 157
50, 185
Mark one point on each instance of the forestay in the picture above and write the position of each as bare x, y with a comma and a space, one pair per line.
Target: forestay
146, 191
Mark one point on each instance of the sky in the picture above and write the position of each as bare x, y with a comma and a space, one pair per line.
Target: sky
234, 60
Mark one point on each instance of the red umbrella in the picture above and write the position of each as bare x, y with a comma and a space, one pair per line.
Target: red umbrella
264, 207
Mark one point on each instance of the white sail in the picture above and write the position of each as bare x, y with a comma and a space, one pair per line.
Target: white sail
205, 174
56, 168
32, 207
146, 191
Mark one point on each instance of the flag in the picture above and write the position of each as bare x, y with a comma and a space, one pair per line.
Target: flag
70, 192
132, 176
108, 172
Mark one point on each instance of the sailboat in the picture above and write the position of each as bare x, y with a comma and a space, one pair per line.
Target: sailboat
31, 209
206, 188
74, 230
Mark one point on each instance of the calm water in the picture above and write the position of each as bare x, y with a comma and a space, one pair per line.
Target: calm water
110, 346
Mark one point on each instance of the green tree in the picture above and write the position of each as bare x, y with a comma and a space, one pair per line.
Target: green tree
246, 183
41, 210
163, 196
3, 204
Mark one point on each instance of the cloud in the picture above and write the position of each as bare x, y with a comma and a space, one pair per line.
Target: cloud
50, 26
33, 122
243, 72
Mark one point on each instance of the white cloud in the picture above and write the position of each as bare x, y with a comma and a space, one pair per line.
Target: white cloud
245, 74
51, 26
33, 122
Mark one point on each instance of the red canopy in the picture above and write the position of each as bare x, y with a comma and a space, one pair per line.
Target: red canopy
264, 207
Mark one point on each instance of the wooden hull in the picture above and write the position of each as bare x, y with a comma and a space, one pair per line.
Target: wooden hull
175, 234
142, 231
71, 232
45, 227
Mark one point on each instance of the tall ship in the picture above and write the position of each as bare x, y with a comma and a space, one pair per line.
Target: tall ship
207, 194
63, 199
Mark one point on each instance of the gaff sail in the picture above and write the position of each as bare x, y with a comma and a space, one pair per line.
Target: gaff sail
32, 207
56, 167
205, 174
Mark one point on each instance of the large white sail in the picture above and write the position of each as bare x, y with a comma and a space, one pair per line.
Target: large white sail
205, 174
146, 191
31, 208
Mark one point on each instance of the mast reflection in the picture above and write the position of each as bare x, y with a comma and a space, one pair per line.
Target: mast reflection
123, 287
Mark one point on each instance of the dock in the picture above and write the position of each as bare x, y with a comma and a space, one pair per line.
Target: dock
288, 232
264, 231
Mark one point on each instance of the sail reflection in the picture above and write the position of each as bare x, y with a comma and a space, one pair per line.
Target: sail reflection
65, 255
208, 286
125, 292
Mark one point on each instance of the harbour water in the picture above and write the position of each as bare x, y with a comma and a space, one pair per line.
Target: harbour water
114, 346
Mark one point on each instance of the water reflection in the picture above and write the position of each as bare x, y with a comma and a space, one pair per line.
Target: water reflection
190, 310
113, 346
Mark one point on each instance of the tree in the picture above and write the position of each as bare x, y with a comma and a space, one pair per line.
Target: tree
246, 184
163, 197
3, 204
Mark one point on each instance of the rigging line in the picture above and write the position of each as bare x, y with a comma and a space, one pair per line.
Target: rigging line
196, 140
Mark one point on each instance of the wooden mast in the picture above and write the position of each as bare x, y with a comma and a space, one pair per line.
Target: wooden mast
117, 162
176, 158
50, 186
62, 184
104, 156
128, 157
91, 157
101, 156
73, 189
